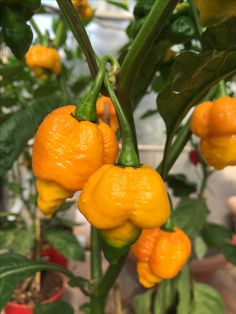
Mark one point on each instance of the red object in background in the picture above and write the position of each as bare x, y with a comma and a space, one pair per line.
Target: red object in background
233, 240
53, 256
14, 308
193, 157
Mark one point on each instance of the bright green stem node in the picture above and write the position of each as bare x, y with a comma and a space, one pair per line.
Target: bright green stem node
128, 156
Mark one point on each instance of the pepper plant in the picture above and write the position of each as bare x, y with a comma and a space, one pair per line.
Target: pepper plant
121, 200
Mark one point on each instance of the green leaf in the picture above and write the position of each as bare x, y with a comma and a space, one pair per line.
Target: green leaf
200, 247
66, 243
65, 206
165, 295
85, 308
59, 307
66, 222
17, 33
14, 134
15, 188
190, 215
148, 113
120, 4
183, 289
15, 268
206, 300
180, 185
142, 302
23, 241
219, 237
194, 74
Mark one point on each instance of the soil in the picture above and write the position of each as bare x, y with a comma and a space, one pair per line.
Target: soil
25, 293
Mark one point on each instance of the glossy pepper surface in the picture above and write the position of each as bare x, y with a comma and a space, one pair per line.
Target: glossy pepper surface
215, 123
66, 152
121, 200
215, 11
107, 113
160, 254
41, 57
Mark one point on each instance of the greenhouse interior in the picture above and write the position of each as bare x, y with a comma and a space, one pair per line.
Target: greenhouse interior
118, 157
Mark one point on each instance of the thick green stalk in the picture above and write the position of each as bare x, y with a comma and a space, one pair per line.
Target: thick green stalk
176, 148
96, 269
128, 156
37, 30
86, 110
79, 32
195, 18
142, 44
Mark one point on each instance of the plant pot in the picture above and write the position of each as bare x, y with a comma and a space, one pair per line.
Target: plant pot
203, 269
15, 308
53, 256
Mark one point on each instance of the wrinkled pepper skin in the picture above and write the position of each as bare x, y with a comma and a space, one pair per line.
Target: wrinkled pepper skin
160, 254
106, 112
215, 11
215, 124
121, 200
66, 152
41, 57
83, 8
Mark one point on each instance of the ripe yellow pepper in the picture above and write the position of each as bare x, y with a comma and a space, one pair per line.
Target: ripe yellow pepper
215, 123
215, 11
106, 112
160, 254
121, 200
40, 58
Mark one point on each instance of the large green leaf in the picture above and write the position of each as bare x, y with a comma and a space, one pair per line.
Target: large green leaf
194, 74
14, 268
180, 184
219, 237
17, 240
142, 302
206, 300
190, 215
20, 127
59, 307
66, 243
165, 296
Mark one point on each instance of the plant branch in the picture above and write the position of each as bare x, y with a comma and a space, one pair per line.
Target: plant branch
36, 29
72, 18
195, 18
96, 268
143, 43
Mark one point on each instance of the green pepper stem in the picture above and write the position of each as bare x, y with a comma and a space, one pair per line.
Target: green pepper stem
221, 90
36, 29
128, 156
86, 110
96, 270
79, 32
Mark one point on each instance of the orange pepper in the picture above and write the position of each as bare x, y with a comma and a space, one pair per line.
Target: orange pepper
121, 200
160, 254
66, 152
106, 112
215, 123
40, 57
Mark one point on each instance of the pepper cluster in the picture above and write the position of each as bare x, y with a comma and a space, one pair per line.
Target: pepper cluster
75, 150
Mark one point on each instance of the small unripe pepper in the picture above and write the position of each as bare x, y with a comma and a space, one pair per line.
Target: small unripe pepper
40, 58
161, 254
215, 123
107, 113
